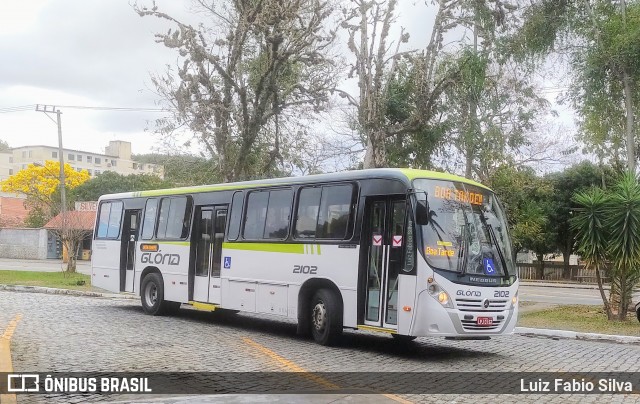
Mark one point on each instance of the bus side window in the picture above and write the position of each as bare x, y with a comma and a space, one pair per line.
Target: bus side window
235, 217
307, 214
110, 220
255, 215
278, 214
103, 222
149, 219
335, 210
174, 218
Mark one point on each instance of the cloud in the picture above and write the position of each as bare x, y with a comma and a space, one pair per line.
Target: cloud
100, 49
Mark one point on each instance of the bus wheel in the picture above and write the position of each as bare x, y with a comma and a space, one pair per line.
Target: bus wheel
403, 338
152, 295
326, 317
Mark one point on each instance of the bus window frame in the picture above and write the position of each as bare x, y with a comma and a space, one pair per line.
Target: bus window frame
353, 212
155, 219
245, 206
243, 197
102, 203
189, 206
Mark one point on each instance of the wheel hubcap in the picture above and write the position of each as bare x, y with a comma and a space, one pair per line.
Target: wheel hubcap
319, 316
152, 294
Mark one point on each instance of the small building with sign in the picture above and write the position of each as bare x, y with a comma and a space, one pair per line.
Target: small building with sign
75, 223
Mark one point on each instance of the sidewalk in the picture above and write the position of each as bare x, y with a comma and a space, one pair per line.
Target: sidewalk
568, 285
50, 265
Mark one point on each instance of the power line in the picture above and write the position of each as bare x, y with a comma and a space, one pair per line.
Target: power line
122, 109
20, 108
32, 107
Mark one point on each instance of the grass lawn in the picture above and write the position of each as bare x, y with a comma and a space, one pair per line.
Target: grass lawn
581, 319
59, 280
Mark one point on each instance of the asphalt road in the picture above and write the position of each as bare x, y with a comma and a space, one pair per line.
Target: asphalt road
559, 295
59, 333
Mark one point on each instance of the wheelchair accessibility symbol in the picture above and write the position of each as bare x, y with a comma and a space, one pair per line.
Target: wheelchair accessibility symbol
227, 262
489, 269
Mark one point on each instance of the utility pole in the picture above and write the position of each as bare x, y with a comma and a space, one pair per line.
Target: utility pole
47, 109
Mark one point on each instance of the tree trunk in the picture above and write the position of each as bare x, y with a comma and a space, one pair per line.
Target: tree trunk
375, 156
629, 128
566, 256
540, 266
603, 295
614, 298
71, 255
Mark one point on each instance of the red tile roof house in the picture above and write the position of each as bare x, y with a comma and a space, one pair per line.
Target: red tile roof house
12, 211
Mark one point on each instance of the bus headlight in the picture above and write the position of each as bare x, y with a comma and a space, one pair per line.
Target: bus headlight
440, 295
514, 300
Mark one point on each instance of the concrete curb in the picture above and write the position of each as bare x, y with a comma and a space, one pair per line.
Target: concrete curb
583, 336
70, 292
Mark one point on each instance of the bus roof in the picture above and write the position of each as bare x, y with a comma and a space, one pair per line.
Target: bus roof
403, 174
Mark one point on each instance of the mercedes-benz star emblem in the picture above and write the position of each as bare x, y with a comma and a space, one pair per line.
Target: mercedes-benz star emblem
485, 303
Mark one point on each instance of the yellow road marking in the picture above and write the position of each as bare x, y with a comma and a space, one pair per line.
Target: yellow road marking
5, 356
293, 367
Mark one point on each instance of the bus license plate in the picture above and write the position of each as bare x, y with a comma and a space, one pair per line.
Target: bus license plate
484, 321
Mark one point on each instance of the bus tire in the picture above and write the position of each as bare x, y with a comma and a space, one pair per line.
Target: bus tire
326, 317
152, 295
403, 338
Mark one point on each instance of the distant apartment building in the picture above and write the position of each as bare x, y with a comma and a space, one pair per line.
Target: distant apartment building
117, 158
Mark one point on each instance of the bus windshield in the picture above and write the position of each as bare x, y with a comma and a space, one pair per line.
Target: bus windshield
466, 230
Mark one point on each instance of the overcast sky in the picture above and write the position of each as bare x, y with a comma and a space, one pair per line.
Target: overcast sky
97, 53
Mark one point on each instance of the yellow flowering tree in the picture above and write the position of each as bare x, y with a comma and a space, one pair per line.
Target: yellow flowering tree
40, 184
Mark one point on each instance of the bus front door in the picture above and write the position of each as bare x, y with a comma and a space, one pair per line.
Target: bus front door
128, 249
385, 239
210, 227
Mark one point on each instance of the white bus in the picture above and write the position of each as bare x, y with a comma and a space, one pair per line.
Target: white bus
407, 252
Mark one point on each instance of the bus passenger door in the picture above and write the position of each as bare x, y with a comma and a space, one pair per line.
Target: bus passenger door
218, 237
129, 242
211, 222
385, 259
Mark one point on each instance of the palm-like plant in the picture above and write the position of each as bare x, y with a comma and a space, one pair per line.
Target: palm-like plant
623, 220
607, 225
591, 233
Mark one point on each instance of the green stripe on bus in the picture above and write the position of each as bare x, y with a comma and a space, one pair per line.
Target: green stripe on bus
173, 242
412, 174
281, 248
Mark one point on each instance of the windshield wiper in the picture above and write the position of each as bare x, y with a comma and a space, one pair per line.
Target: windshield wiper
494, 240
465, 245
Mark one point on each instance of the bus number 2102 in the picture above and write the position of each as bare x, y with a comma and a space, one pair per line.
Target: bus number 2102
305, 269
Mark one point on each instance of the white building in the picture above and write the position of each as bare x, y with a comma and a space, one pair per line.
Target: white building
117, 158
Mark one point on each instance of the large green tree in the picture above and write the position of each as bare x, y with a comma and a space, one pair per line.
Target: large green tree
600, 39
110, 182
184, 169
566, 183
246, 77
527, 200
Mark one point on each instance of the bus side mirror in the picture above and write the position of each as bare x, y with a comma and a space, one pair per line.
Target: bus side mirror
422, 212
